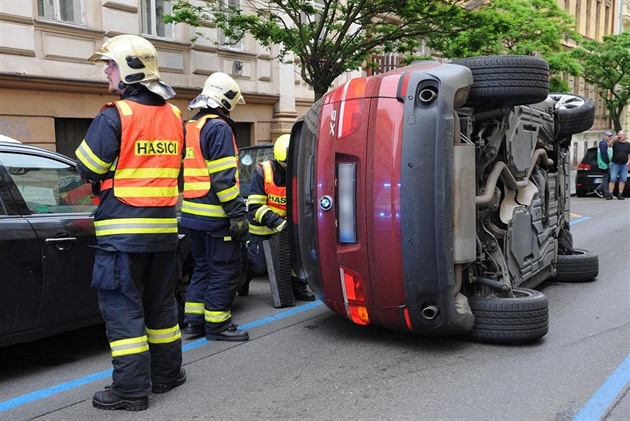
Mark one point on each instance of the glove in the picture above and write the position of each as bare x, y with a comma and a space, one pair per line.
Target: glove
281, 226
239, 227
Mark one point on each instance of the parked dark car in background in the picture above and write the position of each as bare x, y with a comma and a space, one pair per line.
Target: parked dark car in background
432, 199
46, 256
248, 159
589, 176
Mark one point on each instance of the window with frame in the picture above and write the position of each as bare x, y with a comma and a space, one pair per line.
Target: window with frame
153, 12
49, 186
223, 39
318, 5
70, 11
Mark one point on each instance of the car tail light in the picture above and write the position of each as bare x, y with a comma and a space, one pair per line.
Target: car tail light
352, 99
584, 166
354, 296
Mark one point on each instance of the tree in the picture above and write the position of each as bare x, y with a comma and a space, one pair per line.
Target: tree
523, 27
606, 65
330, 37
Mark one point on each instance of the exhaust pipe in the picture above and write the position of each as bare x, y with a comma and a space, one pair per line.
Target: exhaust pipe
428, 95
430, 312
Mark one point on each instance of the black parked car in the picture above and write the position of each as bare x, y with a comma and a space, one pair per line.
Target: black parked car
45, 255
589, 176
248, 159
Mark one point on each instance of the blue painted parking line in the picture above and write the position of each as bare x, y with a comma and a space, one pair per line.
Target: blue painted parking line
63, 387
582, 219
601, 402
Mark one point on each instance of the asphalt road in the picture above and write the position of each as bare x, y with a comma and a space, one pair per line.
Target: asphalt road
308, 363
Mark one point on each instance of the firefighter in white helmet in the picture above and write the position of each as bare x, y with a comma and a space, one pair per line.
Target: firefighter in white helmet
214, 211
133, 149
267, 207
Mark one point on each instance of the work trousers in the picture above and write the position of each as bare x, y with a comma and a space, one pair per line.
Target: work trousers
216, 277
137, 302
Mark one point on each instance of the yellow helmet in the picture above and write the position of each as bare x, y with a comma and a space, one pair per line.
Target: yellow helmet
219, 90
281, 148
135, 56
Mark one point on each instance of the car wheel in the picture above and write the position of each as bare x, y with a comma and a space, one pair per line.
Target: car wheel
576, 113
180, 293
581, 266
580, 193
507, 80
522, 318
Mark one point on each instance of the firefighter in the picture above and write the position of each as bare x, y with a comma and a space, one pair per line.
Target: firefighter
267, 206
133, 148
214, 211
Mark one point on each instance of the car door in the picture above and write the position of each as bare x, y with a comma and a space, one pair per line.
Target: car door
57, 204
20, 266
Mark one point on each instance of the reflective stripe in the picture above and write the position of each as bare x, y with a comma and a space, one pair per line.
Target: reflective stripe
148, 173
125, 109
90, 160
257, 199
260, 230
129, 346
217, 316
164, 336
260, 212
146, 191
221, 164
203, 209
136, 226
228, 194
193, 308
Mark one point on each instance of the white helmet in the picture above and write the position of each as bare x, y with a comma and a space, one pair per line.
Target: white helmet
219, 90
136, 59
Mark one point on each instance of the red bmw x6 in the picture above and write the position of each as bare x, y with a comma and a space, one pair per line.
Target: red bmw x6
433, 198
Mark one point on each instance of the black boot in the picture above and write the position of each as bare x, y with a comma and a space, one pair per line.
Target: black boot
243, 290
106, 399
301, 292
231, 333
165, 387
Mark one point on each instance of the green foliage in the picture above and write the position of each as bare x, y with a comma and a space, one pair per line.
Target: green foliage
522, 27
333, 37
606, 65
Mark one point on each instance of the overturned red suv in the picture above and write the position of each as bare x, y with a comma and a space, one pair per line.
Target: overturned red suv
433, 198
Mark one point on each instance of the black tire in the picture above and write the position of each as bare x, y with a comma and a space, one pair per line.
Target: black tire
523, 318
581, 266
580, 193
507, 80
575, 113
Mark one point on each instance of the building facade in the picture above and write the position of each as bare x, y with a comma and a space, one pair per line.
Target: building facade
49, 91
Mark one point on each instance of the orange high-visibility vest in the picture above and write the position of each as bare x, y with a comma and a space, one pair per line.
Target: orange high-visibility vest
150, 154
276, 195
197, 180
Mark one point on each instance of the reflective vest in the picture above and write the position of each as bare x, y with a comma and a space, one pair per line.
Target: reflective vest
276, 201
150, 151
600, 162
197, 180
196, 175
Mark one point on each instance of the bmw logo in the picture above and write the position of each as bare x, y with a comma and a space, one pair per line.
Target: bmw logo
326, 203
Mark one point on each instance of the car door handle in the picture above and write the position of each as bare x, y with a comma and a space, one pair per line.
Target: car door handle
62, 243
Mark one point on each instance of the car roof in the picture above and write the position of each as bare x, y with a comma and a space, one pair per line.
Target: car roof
21, 147
4, 138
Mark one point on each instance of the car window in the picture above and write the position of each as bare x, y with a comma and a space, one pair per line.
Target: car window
48, 185
248, 160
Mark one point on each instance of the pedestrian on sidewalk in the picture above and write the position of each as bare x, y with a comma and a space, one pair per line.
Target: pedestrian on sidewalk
604, 153
619, 165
